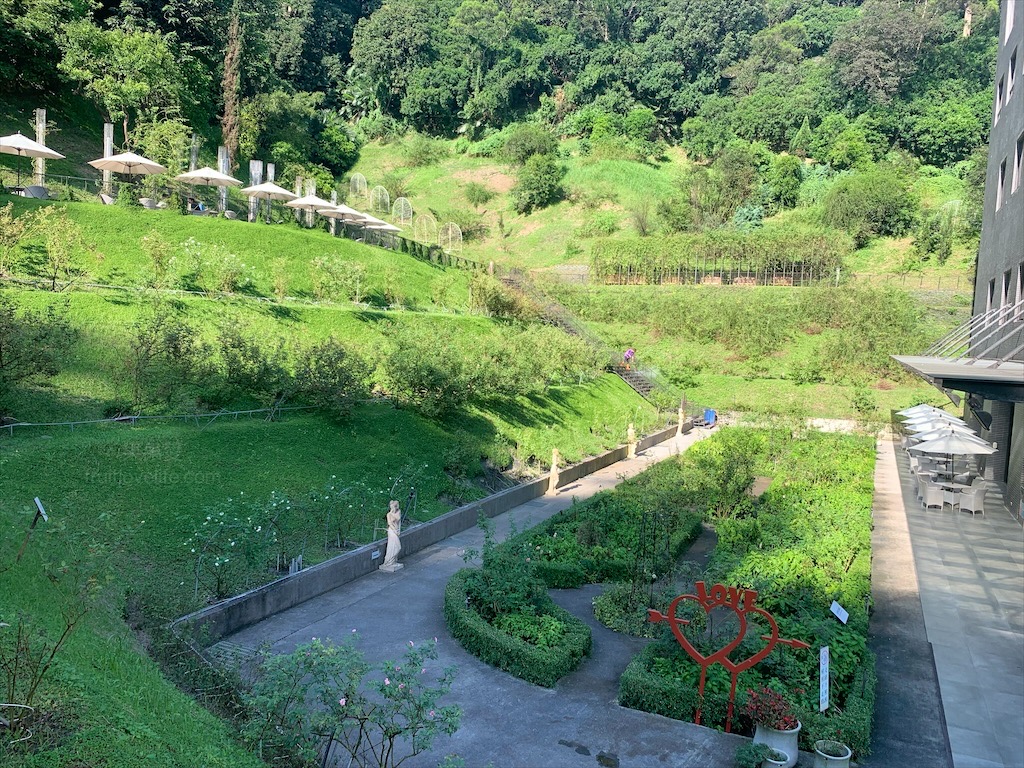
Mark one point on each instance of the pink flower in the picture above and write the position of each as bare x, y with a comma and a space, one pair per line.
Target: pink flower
431, 713
342, 701
423, 671
387, 681
401, 686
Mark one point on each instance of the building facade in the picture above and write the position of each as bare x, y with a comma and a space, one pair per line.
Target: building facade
984, 359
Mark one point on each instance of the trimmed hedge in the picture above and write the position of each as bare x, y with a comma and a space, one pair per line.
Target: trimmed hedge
640, 688
542, 666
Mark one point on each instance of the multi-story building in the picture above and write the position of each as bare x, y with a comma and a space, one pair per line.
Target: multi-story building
984, 359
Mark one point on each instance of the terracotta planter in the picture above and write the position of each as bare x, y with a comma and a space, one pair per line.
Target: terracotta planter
784, 741
823, 760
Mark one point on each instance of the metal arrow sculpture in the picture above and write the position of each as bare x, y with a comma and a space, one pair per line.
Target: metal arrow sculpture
741, 602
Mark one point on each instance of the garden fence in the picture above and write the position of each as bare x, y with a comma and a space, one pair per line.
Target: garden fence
134, 419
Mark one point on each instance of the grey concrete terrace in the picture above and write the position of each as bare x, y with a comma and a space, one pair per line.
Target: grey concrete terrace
970, 580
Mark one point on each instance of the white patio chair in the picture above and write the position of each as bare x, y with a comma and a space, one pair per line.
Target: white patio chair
933, 496
973, 500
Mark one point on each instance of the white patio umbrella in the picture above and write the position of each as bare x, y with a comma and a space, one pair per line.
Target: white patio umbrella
932, 434
918, 409
930, 424
384, 227
928, 416
954, 444
128, 163
268, 190
208, 177
342, 212
309, 203
23, 146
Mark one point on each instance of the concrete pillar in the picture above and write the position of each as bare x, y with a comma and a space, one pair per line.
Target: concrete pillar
334, 222
224, 166
193, 153
298, 191
39, 164
255, 177
310, 190
682, 416
999, 435
630, 442
108, 151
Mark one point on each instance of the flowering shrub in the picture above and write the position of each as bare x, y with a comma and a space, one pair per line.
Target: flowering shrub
769, 708
323, 696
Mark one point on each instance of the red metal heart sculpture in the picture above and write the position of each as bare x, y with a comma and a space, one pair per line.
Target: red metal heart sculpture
741, 602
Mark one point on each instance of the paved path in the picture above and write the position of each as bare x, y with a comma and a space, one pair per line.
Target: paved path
948, 629
506, 721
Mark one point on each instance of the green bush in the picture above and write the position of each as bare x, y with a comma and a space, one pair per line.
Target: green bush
878, 202
525, 141
530, 662
539, 184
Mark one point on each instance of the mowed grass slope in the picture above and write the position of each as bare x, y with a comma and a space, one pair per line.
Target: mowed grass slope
139, 493
116, 256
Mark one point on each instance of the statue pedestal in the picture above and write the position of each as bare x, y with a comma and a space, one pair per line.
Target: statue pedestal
391, 568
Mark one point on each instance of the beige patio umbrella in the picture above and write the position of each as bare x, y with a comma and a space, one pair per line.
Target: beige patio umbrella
309, 203
129, 164
341, 212
23, 146
208, 177
268, 191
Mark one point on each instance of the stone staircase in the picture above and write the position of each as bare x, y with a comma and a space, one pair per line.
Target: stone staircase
556, 314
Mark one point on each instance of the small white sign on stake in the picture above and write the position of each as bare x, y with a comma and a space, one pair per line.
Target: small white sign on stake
841, 613
375, 554
823, 685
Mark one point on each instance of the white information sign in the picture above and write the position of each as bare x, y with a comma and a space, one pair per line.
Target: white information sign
841, 613
823, 685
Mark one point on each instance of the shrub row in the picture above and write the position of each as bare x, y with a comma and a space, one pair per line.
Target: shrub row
542, 666
641, 688
780, 247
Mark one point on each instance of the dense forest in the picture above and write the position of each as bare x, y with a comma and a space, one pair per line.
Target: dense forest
305, 81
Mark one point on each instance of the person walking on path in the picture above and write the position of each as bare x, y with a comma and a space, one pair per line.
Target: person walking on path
627, 357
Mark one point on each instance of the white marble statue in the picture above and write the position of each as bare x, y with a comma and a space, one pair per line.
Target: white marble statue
391, 563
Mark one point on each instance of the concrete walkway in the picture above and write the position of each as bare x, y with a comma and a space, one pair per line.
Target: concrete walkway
948, 628
507, 722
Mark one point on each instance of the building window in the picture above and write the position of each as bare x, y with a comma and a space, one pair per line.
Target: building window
1011, 74
1001, 186
1020, 292
1009, 19
1018, 164
991, 298
999, 99
1004, 299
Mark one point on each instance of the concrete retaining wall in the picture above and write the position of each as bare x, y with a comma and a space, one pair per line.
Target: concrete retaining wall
229, 616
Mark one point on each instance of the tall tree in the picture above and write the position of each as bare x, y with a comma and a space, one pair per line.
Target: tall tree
230, 85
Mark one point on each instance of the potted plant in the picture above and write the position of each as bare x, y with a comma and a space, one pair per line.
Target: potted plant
829, 753
753, 755
774, 722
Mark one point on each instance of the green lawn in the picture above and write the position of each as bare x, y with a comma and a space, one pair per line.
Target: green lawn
114, 237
